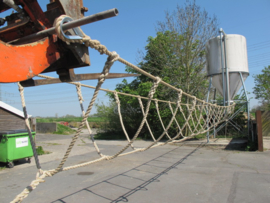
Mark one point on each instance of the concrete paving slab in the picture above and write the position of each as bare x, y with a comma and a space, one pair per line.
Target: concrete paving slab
169, 173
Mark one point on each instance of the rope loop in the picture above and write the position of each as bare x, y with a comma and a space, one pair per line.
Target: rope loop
67, 38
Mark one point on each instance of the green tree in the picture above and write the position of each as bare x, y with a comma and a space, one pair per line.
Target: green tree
262, 87
177, 56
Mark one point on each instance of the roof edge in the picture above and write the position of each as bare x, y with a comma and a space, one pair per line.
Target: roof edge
12, 109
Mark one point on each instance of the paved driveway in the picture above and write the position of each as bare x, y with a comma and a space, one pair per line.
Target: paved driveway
164, 174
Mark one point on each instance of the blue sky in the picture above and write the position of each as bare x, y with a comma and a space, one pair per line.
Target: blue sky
127, 33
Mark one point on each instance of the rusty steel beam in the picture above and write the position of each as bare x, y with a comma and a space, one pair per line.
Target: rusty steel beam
75, 23
77, 77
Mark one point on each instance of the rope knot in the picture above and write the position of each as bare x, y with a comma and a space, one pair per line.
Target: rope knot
21, 89
158, 79
116, 97
102, 76
180, 93
107, 157
79, 92
114, 56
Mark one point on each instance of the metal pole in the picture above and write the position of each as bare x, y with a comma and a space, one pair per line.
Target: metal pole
214, 116
227, 72
75, 23
222, 64
207, 99
248, 113
11, 4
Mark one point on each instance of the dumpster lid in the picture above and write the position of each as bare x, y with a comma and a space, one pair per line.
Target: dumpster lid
9, 132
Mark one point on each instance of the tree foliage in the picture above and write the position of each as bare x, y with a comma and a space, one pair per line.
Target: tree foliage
195, 27
262, 87
176, 55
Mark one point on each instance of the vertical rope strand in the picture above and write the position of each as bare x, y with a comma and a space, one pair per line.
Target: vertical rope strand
33, 145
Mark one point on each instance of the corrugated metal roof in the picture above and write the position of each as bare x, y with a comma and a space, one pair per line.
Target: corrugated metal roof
12, 109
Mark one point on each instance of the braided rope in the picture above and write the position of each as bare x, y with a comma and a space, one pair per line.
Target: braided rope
150, 95
33, 144
146, 122
180, 93
171, 109
210, 110
121, 119
80, 97
162, 124
110, 60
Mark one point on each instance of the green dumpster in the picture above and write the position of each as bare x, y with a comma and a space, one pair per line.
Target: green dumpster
15, 145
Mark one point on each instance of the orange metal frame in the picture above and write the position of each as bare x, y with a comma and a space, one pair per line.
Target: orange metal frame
23, 62
19, 62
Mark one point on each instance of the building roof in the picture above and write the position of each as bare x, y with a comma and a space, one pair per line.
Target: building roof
12, 109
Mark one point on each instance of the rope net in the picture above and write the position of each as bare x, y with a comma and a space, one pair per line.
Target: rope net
198, 116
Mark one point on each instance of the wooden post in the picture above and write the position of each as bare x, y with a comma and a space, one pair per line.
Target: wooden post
259, 130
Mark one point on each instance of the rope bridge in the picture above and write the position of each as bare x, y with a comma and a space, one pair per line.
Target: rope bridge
197, 114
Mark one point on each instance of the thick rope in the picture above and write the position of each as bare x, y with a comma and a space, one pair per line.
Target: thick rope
214, 111
171, 109
33, 144
161, 122
121, 119
180, 93
110, 60
150, 95
80, 97
146, 122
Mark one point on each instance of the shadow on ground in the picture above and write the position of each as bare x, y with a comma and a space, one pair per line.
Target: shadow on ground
130, 182
236, 144
16, 163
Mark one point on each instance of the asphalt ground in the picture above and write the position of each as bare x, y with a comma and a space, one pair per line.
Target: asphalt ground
170, 173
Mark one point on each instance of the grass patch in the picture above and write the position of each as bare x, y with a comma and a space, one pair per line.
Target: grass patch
69, 119
63, 130
40, 151
2, 168
52, 144
83, 141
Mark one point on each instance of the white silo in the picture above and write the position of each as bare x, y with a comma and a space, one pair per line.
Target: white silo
231, 55
227, 68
